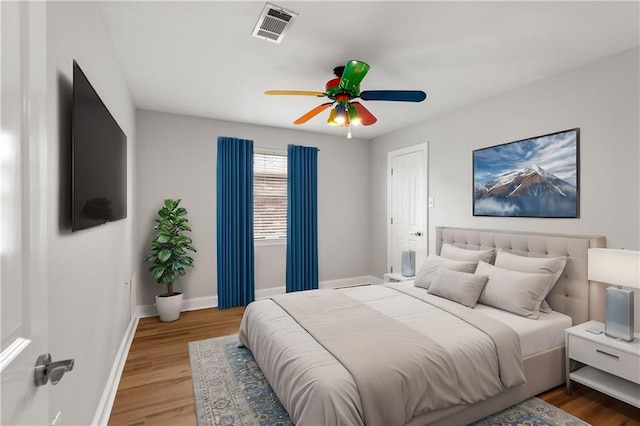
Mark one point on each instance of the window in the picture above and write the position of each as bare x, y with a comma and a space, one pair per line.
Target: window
269, 195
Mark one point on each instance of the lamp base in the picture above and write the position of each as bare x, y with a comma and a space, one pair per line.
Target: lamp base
619, 308
408, 263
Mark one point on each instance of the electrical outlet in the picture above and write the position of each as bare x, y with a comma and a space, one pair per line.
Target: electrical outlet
56, 419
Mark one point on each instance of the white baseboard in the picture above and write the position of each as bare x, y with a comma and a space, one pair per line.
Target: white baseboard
101, 418
263, 293
143, 311
200, 303
342, 282
345, 282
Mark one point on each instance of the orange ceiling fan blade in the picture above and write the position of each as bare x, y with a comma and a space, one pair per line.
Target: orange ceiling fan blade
295, 92
317, 110
366, 118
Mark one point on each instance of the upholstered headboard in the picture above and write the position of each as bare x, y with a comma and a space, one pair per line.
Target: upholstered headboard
573, 294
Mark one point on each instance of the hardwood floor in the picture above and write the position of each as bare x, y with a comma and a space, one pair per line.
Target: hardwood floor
156, 387
592, 406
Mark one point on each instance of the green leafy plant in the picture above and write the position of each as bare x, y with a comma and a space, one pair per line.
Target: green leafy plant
169, 247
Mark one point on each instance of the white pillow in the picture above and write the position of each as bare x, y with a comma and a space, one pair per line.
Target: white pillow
459, 287
517, 292
433, 263
540, 265
457, 253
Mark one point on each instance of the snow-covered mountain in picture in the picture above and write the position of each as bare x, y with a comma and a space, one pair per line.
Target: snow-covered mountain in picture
530, 191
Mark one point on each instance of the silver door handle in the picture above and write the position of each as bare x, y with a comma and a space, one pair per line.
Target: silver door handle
46, 370
417, 234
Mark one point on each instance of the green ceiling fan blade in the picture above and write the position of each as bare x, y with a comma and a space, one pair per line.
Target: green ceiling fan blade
353, 74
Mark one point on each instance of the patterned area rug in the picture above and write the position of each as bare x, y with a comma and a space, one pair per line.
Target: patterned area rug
531, 412
230, 389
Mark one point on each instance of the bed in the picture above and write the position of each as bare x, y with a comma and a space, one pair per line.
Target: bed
383, 348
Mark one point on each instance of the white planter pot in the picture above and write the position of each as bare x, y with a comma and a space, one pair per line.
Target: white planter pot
169, 307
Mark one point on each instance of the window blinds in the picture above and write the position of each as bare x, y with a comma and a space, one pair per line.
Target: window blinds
269, 196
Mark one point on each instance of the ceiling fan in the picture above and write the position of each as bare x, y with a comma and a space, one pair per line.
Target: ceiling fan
343, 90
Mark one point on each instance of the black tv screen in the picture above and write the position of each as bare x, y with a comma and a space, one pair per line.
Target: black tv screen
98, 158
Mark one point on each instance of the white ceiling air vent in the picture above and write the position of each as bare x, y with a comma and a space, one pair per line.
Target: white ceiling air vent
273, 23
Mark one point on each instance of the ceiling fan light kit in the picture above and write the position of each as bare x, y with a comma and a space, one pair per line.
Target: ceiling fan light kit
343, 90
331, 121
354, 118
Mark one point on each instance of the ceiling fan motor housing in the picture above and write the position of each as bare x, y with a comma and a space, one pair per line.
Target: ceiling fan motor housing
333, 89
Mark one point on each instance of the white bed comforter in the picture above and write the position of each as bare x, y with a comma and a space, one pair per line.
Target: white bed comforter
377, 355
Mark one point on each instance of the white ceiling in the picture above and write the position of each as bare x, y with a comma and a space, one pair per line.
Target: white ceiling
199, 59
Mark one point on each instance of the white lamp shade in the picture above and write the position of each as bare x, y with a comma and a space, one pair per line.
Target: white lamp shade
614, 266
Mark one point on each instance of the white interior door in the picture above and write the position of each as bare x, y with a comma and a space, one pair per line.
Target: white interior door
407, 211
23, 297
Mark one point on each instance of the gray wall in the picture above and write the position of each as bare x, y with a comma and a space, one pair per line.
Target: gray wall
601, 99
177, 159
175, 156
89, 302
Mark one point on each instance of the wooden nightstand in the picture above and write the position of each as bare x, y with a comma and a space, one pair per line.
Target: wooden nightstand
395, 278
608, 365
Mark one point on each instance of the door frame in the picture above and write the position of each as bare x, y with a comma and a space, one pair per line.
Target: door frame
19, 358
424, 147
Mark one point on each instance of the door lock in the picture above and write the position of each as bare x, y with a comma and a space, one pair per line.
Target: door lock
417, 234
46, 370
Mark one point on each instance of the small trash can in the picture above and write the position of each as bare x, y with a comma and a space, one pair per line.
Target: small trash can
408, 263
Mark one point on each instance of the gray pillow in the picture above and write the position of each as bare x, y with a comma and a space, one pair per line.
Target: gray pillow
513, 291
457, 286
540, 265
433, 263
457, 253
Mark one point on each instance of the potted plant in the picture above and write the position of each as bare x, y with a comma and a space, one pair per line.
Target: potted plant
169, 256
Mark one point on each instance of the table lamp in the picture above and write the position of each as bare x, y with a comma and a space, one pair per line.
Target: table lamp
620, 268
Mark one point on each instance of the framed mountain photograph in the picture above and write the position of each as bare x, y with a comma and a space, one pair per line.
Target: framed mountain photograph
535, 177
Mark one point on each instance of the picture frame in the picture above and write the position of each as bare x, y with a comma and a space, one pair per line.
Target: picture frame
534, 177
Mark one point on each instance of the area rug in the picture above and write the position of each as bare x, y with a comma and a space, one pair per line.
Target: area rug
230, 389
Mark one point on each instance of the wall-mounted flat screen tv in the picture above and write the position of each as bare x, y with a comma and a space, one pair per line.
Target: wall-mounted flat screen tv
98, 159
